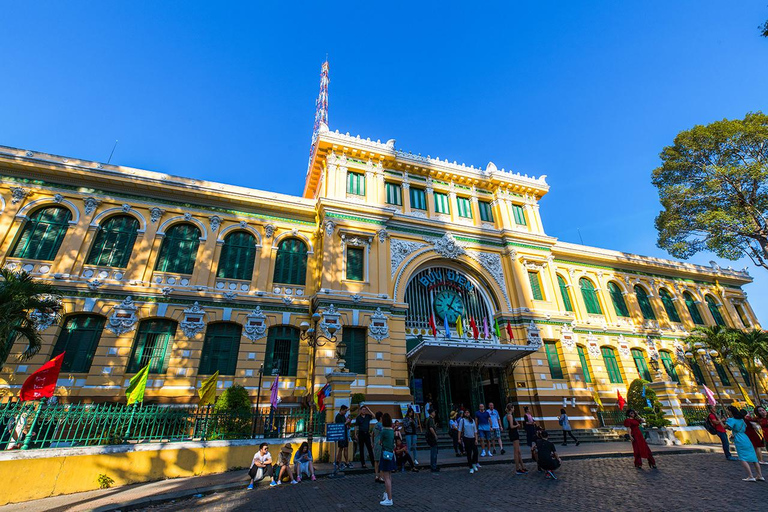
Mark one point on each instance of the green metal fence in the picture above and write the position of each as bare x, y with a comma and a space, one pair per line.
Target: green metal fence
611, 418
695, 415
38, 425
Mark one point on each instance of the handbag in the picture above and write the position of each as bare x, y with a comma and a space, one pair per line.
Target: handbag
387, 455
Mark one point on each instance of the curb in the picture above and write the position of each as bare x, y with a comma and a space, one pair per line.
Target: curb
460, 463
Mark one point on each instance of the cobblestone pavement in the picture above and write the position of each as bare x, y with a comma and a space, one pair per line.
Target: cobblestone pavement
682, 482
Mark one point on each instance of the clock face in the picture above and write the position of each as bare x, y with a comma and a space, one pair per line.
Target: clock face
448, 305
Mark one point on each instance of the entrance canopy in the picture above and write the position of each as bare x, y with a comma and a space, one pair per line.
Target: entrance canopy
464, 353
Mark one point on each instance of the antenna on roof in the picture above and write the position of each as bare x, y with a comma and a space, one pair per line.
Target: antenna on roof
582, 240
113, 152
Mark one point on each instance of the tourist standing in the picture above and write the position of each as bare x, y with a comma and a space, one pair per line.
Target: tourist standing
513, 427
530, 427
566, 424
545, 454
483, 420
639, 446
261, 466
303, 462
453, 431
409, 429
342, 446
495, 429
377, 448
387, 463
760, 416
718, 424
754, 437
468, 430
431, 435
743, 445
363, 422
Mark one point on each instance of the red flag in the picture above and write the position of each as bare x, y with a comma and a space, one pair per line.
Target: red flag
432, 325
42, 383
509, 331
620, 398
321, 395
475, 330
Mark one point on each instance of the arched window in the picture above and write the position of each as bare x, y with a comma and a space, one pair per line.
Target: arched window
715, 310
669, 366
693, 309
179, 249
698, 375
585, 368
114, 242
641, 364
282, 350
154, 338
564, 293
553, 358
612, 365
237, 256
79, 338
291, 262
645, 303
43, 234
589, 295
669, 306
220, 348
619, 304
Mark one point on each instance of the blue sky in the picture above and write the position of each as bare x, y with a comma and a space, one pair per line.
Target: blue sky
587, 93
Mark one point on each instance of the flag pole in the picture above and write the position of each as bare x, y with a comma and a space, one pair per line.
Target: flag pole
28, 437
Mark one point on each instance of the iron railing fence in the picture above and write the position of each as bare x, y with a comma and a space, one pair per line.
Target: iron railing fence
40, 425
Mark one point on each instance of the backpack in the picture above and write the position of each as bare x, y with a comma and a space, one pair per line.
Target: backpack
505, 423
710, 427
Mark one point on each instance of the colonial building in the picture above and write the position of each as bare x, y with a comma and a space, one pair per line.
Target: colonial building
443, 275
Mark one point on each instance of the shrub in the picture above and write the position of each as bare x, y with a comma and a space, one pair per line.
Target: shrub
233, 413
105, 482
654, 415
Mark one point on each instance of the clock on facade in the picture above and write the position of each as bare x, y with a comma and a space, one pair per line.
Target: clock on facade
448, 305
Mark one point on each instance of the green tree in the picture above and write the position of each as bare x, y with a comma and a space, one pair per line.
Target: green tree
233, 413
20, 296
752, 348
654, 415
723, 340
713, 187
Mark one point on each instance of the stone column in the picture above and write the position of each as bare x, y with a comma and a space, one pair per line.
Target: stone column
341, 394
667, 395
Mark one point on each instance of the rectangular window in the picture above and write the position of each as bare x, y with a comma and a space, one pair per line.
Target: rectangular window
355, 340
441, 203
555, 370
486, 212
612, 366
355, 264
418, 199
533, 278
669, 366
394, 193
464, 207
281, 356
355, 183
722, 374
742, 316
584, 365
697, 373
519, 215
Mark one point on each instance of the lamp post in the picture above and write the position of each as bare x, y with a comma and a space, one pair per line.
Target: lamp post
699, 350
258, 400
311, 334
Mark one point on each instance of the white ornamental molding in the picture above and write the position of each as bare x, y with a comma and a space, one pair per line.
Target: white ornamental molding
90, 204
592, 345
446, 246
187, 216
534, 337
155, 213
567, 339
41, 320
331, 316
652, 346
17, 194
623, 346
123, 318
269, 230
399, 250
379, 326
58, 198
356, 240
329, 227
491, 262
215, 222
383, 235
255, 325
194, 320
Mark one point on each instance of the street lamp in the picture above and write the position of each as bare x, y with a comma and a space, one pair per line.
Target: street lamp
341, 351
315, 338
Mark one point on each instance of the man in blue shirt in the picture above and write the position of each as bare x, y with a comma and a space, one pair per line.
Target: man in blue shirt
483, 418
495, 431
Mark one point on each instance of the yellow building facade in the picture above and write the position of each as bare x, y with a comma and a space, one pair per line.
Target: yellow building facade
447, 286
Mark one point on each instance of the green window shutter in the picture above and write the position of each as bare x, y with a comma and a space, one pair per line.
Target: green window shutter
669, 306
282, 350
78, 339
43, 234
693, 309
640, 364
519, 214
564, 293
697, 373
712, 305
486, 211
114, 242
612, 365
355, 338
220, 348
464, 207
555, 369
238, 255
355, 183
153, 339
619, 304
722, 374
355, 264
418, 199
589, 295
744, 372
441, 203
669, 366
584, 365
394, 193
179, 249
533, 278
742, 316
645, 303
291, 262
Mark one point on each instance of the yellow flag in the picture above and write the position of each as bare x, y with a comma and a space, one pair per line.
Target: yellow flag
135, 391
459, 327
596, 397
745, 395
207, 391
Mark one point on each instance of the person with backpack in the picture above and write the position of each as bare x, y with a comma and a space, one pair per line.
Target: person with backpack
563, 420
743, 445
454, 433
546, 455
716, 427
468, 429
513, 427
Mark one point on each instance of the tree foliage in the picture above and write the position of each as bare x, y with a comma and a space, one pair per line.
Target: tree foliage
654, 416
713, 187
20, 296
233, 412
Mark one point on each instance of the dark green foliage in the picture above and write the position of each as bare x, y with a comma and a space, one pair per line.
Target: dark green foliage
233, 410
654, 416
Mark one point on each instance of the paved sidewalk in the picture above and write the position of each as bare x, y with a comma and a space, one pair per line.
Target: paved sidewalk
135, 496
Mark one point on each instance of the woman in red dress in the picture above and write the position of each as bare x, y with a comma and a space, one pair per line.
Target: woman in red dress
639, 446
758, 416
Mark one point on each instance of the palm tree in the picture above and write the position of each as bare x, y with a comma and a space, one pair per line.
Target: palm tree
720, 339
21, 296
751, 347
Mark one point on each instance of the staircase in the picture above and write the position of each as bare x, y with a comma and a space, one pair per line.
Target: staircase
592, 435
